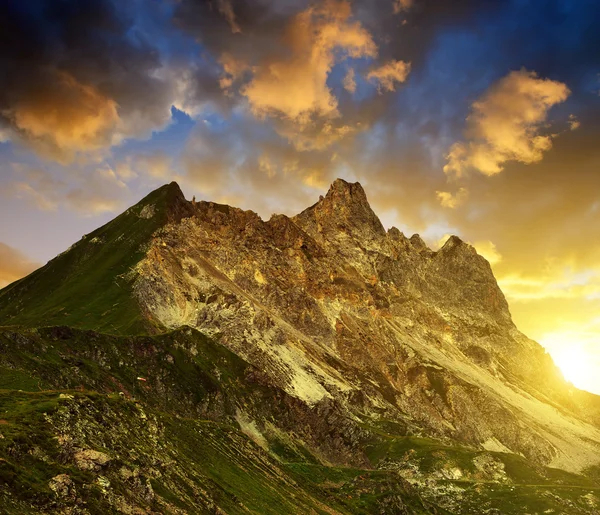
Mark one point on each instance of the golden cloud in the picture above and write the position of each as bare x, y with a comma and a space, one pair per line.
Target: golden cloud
295, 87
389, 74
452, 200
505, 125
13, 265
65, 119
556, 282
349, 81
488, 250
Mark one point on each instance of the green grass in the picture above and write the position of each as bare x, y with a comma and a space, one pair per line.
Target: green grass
20, 380
86, 286
189, 448
182, 368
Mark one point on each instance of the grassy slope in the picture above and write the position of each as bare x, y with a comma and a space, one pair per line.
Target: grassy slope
165, 454
155, 429
189, 462
85, 286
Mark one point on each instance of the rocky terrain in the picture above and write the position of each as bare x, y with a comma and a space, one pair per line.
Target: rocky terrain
190, 357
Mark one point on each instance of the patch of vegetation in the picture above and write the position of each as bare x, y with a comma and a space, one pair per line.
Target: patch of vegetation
174, 443
87, 286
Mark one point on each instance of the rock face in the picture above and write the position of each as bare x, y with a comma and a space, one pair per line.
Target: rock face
190, 357
335, 309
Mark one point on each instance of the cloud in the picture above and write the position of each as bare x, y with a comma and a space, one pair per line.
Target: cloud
95, 192
293, 87
78, 77
349, 81
488, 250
288, 85
157, 165
452, 200
63, 116
14, 265
233, 70
103, 192
390, 73
506, 124
553, 283
573, 122
402, 5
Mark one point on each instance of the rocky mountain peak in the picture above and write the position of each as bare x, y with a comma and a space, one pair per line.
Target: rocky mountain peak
454, 242
168, 200
344, 208
321, 330
347, 192
418, 243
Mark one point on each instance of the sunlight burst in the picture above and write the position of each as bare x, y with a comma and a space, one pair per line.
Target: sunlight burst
570, 353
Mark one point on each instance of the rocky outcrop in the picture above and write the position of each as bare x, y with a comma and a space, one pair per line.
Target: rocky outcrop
336, 368
89, 459
332, 307
343, 212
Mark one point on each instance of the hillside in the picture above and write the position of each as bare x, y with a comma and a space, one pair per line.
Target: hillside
87, 285
220, 363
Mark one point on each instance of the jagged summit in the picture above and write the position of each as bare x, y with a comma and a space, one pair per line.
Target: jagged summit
345, 192
454, 242
344, 208
330, 308
418, 243
168, 200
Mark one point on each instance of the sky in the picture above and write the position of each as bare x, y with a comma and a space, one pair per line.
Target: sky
472, 117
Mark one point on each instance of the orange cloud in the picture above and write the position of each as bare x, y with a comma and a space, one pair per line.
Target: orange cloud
505, 125
349, 81
452, 200
387, 75
13, 265
295, 88
233, 69
66, 118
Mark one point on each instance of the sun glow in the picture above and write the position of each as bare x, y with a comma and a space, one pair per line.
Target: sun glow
571, 353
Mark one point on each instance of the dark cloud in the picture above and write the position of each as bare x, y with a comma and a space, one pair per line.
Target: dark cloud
80, 76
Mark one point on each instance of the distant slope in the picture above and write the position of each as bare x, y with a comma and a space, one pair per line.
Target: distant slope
87, 285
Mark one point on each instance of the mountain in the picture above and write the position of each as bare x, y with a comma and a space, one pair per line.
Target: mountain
86, 286
190, 357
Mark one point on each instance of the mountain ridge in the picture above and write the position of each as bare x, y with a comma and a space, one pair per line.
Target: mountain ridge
350, 327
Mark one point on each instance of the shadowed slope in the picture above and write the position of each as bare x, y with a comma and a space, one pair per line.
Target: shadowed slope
87, 286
